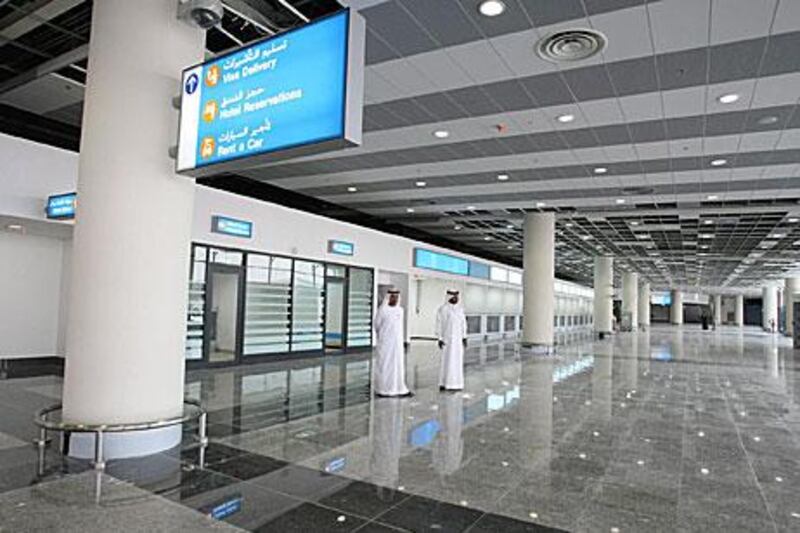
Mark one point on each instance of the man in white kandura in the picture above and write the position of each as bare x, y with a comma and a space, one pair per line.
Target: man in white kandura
390, 364
451, 330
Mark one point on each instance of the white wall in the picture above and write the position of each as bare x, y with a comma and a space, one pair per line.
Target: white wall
30, 295
431, 294
32, 171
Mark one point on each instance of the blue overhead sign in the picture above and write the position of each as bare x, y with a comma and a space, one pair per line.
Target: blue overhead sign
478, 270
431, 260
231, 226
61, 206
341, 247
301, 88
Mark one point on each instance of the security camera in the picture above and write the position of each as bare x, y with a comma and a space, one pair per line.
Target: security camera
204, 14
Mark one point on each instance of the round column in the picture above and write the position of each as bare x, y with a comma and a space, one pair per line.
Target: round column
717, 309
676, 309
644, 305
603, 294
769, 307
792, 287
738, 316
538, 290
630, 298
127, 316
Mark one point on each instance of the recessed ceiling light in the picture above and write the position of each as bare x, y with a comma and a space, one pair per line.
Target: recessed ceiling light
620, 201
712, 197
14, 227
457, 228
441, 134
491, 8
587, 237
470, 208
792, 220
769, 119
634, 223
510, 226
728, 98
565, 118
487, 238
708, 222
352, 189
409, 210
421, 184
718, 162
569, 224
540, 204
600, 170
502, 177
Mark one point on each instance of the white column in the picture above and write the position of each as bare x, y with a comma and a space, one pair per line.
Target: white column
644, 305
717, 309
676, 309
791, 288
603, 293
630, 298
538, 300
739, 310
769, 306
127, 319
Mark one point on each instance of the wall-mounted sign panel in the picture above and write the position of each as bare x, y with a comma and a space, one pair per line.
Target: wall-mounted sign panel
478, 270
61, 206
341, 247
450, 264
296, 93
515, 278
231, 226
661, 299
499, 274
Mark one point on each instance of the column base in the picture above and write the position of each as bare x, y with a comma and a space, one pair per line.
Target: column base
124, 445
537, 349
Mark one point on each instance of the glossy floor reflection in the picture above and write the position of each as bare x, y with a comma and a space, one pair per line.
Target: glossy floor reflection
669, 430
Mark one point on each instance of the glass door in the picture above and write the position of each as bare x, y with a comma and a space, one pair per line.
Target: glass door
223, 305
308, 293
359, 308
335, 312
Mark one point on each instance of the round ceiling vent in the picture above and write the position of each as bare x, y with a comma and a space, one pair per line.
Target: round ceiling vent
570, 45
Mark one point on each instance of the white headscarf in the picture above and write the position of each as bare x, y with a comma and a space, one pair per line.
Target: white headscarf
450, 294
392, 290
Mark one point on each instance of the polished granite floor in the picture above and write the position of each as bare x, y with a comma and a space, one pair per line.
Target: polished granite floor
676, 429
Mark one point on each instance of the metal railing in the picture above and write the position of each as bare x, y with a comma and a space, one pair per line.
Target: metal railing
45, 426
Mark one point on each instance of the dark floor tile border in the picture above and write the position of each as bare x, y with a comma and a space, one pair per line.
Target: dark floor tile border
30, 367
246, 466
